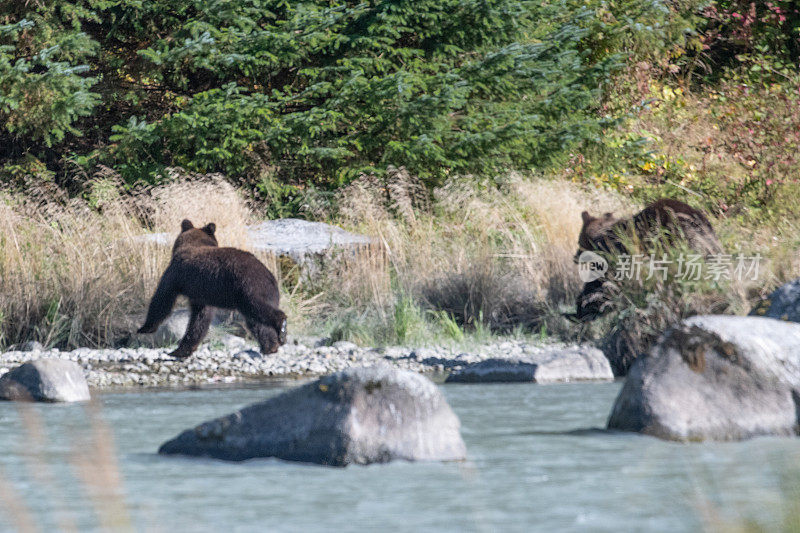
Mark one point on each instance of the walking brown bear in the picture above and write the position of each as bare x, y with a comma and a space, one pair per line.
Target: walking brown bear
210, 277
665, 219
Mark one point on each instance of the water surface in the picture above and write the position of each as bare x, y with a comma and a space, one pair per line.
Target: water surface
535, 464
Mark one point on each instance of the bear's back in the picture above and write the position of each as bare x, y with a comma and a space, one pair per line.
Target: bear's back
222, 277
665, 215
678, 219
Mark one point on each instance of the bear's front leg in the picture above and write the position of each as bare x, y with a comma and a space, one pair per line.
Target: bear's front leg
199, 322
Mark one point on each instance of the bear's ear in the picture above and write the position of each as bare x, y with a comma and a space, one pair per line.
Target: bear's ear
586, 216
210, 228
186, 224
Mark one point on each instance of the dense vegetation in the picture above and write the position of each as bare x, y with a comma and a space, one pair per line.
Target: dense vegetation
509, 116
311, 92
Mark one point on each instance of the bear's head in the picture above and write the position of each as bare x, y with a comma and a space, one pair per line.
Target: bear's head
275, 329
597, 234
191, 236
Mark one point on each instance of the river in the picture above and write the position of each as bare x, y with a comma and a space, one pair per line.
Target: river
537, 462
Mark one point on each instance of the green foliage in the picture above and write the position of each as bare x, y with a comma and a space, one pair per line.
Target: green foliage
761, 128
316, 92
330, 92
448, 325
409, 320
44, 88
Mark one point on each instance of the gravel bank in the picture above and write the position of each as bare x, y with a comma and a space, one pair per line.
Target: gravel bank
236, 360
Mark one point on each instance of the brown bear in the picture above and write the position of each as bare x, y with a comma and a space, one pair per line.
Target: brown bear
210, 277
667, 219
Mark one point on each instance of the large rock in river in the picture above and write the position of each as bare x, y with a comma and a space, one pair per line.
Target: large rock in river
717, 378
361, 415
577, 363
783, 303
45, 380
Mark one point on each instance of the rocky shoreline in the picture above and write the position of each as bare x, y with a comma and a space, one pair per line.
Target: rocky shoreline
235, 360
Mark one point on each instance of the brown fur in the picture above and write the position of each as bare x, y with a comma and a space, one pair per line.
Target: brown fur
667, 219
210, 277
675, 218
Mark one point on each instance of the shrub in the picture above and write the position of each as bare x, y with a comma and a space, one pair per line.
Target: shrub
764, 35
642, 305
312, 92
44, 86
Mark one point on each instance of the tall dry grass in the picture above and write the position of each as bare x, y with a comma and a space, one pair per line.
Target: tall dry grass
500, 257
78, 273
472, 255
69, 275
472, 252
202, 199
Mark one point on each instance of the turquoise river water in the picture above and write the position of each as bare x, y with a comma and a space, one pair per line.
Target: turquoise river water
537, 462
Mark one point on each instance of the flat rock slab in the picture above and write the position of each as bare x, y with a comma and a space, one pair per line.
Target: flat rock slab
580, 363
300, 240
45, 380
362, 415
782, 304
715, 378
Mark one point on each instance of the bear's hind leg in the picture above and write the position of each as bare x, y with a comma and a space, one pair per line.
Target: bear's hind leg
199, 323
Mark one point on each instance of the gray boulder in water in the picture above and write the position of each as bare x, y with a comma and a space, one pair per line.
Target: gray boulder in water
45, 380
715, 378
578, 363
361, 415
783, 303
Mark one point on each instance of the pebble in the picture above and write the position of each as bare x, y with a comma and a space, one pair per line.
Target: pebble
240, 360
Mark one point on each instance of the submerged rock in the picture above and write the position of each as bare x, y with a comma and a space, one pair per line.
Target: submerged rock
783, 303
716, 378
45, 380
579, 363
361, 415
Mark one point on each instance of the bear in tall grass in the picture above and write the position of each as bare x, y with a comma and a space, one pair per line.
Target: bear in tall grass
211, 277
668, 221
667, 218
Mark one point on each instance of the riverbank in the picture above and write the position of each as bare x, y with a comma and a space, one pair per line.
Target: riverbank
234, 360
